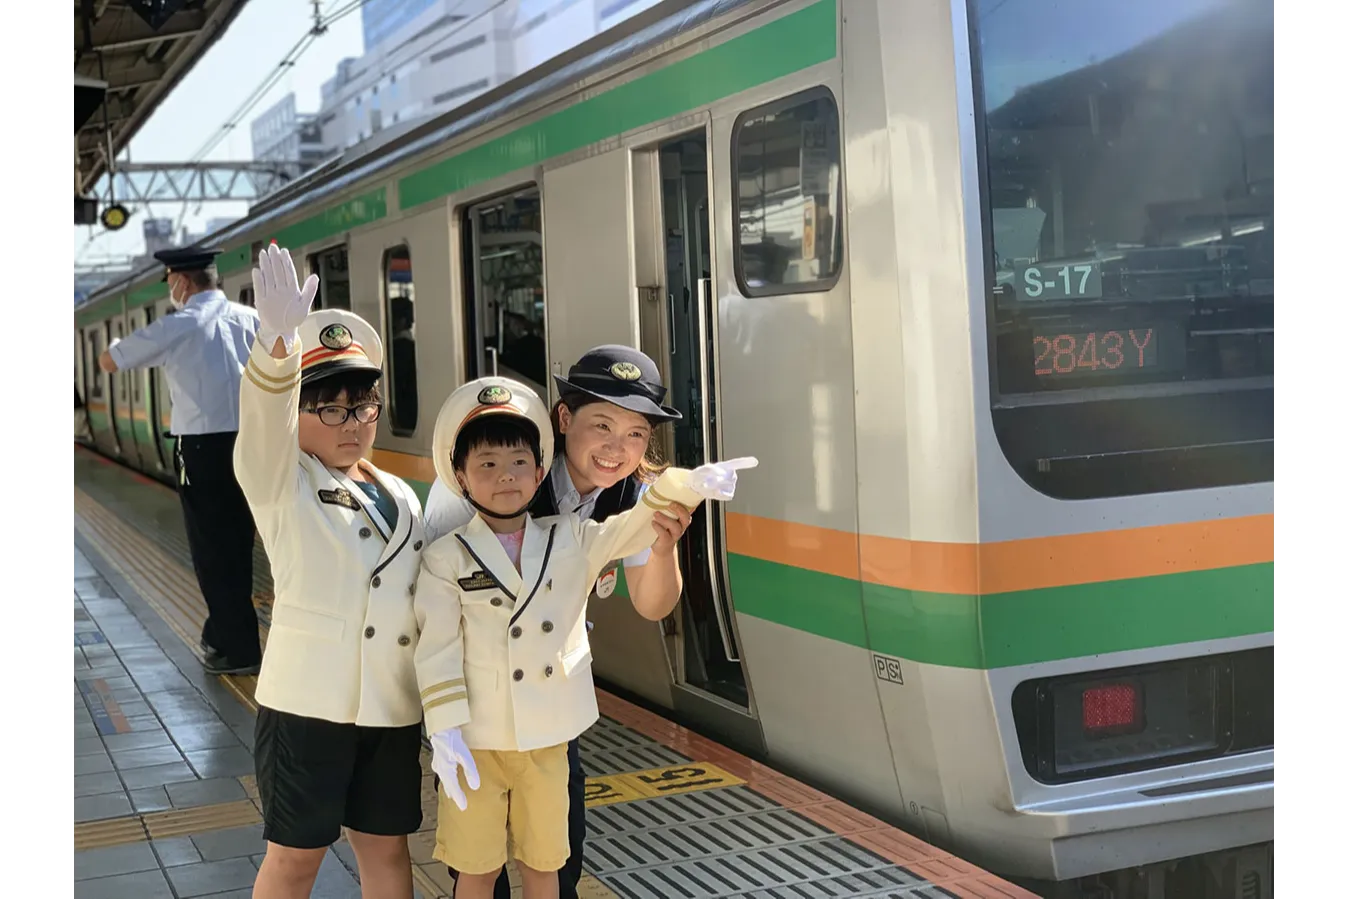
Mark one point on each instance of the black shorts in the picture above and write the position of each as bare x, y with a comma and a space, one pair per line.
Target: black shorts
316, 776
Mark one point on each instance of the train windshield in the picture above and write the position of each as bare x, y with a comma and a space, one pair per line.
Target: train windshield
1127, 153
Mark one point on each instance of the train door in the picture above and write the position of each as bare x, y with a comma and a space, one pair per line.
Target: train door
679, 316
630, 259
119, 398
334, 277
97, 390
137, 398
400, 272
143, 406
83, 433
502, 238
161, 405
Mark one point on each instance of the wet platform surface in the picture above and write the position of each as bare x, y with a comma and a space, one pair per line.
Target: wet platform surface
166, 804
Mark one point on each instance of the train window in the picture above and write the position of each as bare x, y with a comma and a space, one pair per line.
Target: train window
401, 338
334, 281
787, 176
1127, 165
504, 251
95, 374
246, 297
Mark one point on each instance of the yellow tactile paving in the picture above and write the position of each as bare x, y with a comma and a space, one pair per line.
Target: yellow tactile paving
181, 822
171, 823
109, 832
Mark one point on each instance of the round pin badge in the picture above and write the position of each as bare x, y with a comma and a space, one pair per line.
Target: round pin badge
625, 371
607, 583
335, 337
495, 395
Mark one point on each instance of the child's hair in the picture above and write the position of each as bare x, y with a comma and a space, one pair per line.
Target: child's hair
651, 464
361, 386
499, 431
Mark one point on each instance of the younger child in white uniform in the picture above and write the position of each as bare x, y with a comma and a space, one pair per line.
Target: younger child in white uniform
503, 660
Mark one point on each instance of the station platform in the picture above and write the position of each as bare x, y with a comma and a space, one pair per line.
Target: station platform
166, 804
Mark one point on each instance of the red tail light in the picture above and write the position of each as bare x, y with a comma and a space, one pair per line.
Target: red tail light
1113, 708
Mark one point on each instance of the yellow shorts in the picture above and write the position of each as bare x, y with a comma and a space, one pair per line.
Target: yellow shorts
523, 796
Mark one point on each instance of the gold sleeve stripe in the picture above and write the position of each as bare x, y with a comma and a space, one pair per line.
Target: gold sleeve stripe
654, 505
284, 379
651, 491
285, 388
443, 685
442, 700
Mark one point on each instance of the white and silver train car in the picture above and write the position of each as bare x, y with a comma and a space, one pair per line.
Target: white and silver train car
988, 289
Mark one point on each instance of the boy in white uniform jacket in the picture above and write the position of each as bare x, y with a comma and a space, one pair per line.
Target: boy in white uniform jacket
338, 728
503, 660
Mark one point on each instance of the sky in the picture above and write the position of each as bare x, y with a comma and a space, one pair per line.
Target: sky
258, 39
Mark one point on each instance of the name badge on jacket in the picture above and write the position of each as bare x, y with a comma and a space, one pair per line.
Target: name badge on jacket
479, 581
339, 497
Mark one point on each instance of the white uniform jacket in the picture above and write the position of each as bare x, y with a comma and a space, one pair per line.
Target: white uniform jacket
343, 631
505, 654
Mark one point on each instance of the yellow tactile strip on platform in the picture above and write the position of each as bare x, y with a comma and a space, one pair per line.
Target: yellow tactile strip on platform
170, 823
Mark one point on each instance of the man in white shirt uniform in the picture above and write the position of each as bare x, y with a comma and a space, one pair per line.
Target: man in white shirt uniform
203, 346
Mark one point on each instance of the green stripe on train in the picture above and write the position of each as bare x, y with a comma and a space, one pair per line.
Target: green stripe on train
1005, 629
789, 44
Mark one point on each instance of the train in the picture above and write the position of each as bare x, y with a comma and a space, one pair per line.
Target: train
986, 286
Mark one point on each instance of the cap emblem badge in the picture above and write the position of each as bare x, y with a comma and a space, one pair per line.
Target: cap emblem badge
495, 395
625, 371
335, 337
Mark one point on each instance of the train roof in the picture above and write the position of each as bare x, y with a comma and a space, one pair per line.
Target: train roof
658, 25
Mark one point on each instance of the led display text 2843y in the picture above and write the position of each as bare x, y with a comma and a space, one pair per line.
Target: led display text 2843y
1074, 351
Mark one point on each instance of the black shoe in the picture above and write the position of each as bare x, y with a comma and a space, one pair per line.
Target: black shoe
218, 664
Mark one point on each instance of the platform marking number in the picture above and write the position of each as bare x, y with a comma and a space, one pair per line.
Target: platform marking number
655, 782
608, 790
887, 669
683, 779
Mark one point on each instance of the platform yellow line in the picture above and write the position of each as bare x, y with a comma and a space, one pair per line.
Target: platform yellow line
170, 823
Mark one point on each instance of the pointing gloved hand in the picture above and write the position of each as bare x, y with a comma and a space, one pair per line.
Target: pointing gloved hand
282, 304
716, 480
448, 754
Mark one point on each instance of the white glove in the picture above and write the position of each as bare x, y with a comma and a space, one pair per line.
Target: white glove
282, 304
448, 753
716, 480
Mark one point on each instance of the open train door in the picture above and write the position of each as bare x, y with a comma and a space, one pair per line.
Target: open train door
629, 259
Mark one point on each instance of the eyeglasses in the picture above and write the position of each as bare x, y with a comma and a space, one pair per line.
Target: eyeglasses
335, 416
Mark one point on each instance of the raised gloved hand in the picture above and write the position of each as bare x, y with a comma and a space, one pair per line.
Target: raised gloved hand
282, 304
448, 753
716, 480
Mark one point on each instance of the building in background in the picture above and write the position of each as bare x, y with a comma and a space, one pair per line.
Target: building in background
381, 19
425, 57
284, 134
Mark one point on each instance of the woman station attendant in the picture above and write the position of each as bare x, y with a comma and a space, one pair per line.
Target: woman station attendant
610, 405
